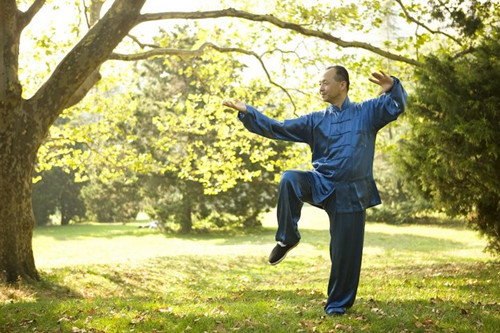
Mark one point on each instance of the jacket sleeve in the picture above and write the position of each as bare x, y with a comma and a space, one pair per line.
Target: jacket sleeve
296, 130
389, 106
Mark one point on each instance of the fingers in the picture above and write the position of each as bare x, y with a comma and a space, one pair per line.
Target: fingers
382, 79
379, 76
236, 104
229, 104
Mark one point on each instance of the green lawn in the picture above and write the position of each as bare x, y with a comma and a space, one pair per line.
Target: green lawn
119, 278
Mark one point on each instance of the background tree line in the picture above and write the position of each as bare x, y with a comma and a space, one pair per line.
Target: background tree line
167, 132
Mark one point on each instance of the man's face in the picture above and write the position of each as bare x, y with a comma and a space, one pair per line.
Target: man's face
330, 90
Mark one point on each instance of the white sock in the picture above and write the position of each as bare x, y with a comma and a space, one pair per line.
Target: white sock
281, 244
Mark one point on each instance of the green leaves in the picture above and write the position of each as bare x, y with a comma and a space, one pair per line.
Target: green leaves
453, 154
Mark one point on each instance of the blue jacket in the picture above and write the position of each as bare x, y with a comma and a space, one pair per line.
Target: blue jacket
342, 142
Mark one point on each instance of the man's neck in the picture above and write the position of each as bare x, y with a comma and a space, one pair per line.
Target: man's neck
338, 102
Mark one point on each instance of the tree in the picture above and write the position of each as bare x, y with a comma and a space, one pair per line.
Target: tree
111, 201
25, 122
453, 152
186, 188
57, 191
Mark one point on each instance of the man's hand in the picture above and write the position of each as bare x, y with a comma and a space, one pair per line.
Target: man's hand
236, 104
383, 80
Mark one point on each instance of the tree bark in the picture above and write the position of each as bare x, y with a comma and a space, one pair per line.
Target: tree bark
17, 160
10, 31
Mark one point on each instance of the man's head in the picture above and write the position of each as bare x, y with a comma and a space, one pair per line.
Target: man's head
334, 85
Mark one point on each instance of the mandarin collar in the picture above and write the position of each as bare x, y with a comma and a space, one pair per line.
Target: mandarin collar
345, 105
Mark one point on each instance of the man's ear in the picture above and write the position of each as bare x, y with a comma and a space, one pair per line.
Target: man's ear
343, 84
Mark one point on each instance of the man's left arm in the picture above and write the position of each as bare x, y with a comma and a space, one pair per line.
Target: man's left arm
392, 100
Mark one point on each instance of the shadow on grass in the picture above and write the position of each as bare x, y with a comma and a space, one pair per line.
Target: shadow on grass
268, 309
423, 315
177, 294
256, 311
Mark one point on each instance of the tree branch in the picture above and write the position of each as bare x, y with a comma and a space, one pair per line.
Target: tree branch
85, 14
412, 19
90, 52
231, 12
32, 11
142, 45
464, 52
199, 52
84, 88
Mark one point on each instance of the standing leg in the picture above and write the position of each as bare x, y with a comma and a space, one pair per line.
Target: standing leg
294, 189
346, 248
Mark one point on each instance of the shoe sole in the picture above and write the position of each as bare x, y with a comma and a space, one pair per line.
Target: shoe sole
284, 256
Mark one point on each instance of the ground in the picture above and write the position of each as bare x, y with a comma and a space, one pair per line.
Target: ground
119, 278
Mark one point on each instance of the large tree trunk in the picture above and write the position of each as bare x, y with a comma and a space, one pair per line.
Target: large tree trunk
17, 157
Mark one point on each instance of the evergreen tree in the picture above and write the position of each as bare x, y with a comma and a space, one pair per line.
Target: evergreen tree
452, 154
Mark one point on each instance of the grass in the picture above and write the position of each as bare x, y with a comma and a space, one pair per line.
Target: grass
119, 278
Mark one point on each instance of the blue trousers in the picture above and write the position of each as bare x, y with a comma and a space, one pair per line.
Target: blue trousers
346, 236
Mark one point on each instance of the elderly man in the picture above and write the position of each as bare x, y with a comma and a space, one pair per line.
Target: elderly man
342, 141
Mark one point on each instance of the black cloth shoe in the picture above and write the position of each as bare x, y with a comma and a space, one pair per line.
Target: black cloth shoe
279, 253
335, 312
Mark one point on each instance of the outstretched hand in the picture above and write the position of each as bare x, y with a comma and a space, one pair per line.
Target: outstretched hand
236, 104
383, 80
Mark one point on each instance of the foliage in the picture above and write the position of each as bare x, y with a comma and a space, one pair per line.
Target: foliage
468, 18
57, 191
196, 159
399, 203
220, 175
452, 153
183, 205
111, 201
114, 277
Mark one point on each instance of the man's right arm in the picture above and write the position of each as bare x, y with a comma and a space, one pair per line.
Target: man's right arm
296, 130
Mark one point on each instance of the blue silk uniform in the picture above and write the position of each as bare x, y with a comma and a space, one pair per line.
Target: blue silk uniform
342, 142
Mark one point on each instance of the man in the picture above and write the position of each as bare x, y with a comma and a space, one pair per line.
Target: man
342, 141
